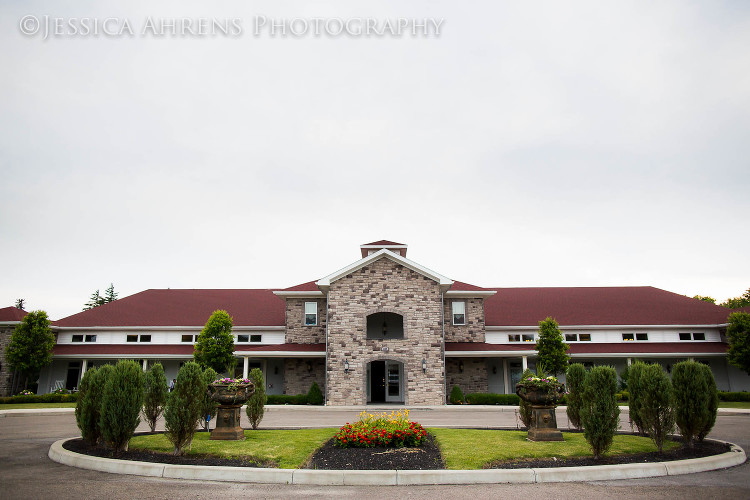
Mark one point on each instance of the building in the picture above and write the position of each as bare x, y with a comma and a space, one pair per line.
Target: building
386, 329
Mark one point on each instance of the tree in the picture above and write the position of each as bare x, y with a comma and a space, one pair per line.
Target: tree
635, 395
110, 294
713, 402
154, 395
97, 300
20, 303
574, 378
599, 411
209, 407
551, 347
737, 302
738, 334
524, 407
30, 347
121, 404
86, 414
183, 408
257, 401
214, 347
692, 400
657, 411
705, 298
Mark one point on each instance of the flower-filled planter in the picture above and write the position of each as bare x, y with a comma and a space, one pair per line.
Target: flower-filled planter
543, 394
231, 394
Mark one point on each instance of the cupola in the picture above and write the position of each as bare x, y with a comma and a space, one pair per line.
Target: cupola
375, 246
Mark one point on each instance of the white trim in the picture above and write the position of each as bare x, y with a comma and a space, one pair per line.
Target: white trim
383, 246
299, 294
489, 354
518, 354
601, 327
469, 294
10, 322
444, 282
166, 328
251, 354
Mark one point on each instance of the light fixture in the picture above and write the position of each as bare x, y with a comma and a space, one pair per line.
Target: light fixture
424, 365
385, 328
309, 366
460, 366
346, 366
494, 370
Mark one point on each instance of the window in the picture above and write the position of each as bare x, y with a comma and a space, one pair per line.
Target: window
641, 336
685, 336
577, 337
521, 338
138, 338
699, 336
77, 338
311, 313
145, 338
634, 336
584, 337
132, 338
255, 338
692, 336
459, 312
243, 338
90, 338
189, 338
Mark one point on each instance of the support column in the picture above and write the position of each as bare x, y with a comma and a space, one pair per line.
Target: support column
145, 365
506, 376
524, 363
84, 366
245, 366
630, 361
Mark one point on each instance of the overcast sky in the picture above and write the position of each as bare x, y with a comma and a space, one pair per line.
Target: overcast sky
526, 144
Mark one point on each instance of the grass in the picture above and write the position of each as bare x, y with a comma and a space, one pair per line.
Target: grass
287, 449
467, 449
27, 406
734, 404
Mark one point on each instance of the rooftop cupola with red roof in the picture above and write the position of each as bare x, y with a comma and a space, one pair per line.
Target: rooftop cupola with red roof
376, 246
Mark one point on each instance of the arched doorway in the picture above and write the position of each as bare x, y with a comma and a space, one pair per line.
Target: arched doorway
385, 381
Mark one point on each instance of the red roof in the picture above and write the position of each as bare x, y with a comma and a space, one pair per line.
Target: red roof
600, 347
384, 243
12, 314
460, 286
310, 286
183, 308
186, 349
599, 306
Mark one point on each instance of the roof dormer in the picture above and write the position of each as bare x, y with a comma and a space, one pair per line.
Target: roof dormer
375, 246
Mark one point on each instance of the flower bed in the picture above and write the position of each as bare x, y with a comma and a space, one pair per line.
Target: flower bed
393, 430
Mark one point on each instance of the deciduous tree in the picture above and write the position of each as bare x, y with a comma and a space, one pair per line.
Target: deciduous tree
738, 334
30, 347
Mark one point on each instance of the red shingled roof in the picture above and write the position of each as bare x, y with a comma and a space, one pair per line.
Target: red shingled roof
600, 347
310, 286
12, 314
384, 243
599, 306
186, 349
183, 308
460, 286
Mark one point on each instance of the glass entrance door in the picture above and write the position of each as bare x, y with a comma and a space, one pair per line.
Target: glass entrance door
394, 388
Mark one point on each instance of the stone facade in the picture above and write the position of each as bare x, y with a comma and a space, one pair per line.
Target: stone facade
474, 375
473, 330
299, 374
6, 375
385, 286
296, 330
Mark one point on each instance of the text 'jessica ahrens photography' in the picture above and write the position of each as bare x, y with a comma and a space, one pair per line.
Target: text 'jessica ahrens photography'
45, 27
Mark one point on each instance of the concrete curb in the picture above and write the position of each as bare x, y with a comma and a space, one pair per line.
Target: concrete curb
734, 457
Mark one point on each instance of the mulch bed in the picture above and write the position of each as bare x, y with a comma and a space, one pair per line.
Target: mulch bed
424, 457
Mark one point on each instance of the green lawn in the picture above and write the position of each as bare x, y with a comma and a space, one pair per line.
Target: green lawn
26, 406
734, 404
287, 449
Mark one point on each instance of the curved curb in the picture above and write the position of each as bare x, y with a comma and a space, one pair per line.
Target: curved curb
734, 457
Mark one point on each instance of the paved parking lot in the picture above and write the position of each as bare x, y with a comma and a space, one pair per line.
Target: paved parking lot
26, 472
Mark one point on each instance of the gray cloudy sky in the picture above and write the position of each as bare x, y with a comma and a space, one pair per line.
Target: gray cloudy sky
529, 144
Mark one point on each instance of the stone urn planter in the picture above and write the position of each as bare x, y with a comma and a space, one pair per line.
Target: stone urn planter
543, 400
231, 395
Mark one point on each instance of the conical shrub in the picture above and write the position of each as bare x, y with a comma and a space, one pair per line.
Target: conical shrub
183, 410
155, 395
257, 401
599, 411
121, 404
574, 378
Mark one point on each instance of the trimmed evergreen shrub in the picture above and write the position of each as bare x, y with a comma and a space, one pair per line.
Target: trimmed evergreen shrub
481, 398
524, 408
692, 400
635, 390
209, 407
256, 403
315, 395
154, 394
712, 395
599, 410
457, 396
657, 404
121, 404
87, 413
551, 348
574, 380
734, 396
43, 398
286, 399
183, 408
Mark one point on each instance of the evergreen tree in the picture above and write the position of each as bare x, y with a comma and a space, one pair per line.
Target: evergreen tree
155, 395
87, 415
524, 408
93, 401
209, 407
30, 346
738, 335
94, 301
551, 347
121, 404
257, 401
20, 303
457, 396
574, 380
635, 396
599, 411
315, 395
657, 409
110, 294
692, 400
183, 409
713, 402
214, 347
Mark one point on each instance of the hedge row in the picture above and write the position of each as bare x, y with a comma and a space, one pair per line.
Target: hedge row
734, 396
43, 398
478, 398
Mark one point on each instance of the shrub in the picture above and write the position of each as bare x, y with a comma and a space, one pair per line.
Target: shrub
154, 395
182, 412
389, 430
121, 404
315, 395
712, 395
214, 346
208, 408
286, 399
87, 411
599, 410
574, 380
734, 396
457, 396
692, 400
657, 404
481, 398
256, 403
635, 390
524, 408
551, 347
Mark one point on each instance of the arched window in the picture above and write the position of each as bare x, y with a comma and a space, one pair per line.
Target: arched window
385, 326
